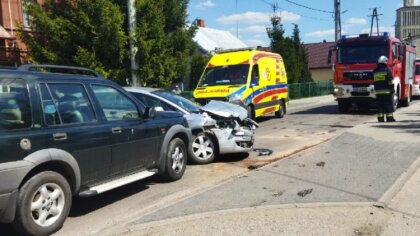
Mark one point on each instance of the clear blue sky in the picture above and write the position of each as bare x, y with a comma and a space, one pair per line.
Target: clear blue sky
251, 17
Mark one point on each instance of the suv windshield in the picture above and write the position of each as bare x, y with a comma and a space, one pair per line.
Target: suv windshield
178, 100
225, 75
15, 112
361, 54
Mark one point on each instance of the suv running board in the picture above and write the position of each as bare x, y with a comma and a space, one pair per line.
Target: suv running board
98, 189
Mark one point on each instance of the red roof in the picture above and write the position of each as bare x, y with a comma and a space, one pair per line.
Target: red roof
318, 54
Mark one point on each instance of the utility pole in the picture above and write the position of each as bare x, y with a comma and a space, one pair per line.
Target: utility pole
374, 15
131, 33
337, 19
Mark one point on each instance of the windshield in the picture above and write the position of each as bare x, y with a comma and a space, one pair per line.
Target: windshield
178, 100
361, 54
417, 69
225, 75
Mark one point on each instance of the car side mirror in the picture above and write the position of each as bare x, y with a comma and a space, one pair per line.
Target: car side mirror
149, 113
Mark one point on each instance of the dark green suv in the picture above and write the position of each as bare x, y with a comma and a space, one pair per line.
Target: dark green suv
63, 135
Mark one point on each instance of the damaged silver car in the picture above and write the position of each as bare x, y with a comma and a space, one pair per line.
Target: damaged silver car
218, 127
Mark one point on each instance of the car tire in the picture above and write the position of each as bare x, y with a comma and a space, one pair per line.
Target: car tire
202, 148
175, 160
43, 204
282, 110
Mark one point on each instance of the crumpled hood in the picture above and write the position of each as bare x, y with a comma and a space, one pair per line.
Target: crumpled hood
225, 109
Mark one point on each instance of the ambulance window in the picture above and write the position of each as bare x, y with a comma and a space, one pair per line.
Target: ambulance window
254, 76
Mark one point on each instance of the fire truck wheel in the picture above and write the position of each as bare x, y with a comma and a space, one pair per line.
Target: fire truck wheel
343, 106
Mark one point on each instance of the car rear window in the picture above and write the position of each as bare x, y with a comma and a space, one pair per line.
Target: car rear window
15, 109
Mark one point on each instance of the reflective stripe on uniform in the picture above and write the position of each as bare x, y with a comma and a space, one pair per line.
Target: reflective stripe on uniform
380, 115
379, 76
389, 115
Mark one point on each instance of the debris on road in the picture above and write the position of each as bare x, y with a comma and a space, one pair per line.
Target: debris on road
263, 151
305, 192
320, 164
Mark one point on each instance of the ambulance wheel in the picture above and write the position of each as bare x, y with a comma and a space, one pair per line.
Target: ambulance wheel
282, 110
251, 112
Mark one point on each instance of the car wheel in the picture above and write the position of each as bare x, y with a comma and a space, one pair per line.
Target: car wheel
282, 110
176, 160
43, 204
202, 149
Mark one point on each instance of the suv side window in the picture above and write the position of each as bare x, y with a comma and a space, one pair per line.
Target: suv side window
15, 109
153, 102
114, 104
66, 104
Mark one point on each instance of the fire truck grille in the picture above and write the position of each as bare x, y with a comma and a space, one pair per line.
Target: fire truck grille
358, 75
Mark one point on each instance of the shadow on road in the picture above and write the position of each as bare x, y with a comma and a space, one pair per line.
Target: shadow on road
333, 110
83, 206
409, 126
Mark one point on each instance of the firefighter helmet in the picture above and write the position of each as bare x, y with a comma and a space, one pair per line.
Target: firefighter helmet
382, 60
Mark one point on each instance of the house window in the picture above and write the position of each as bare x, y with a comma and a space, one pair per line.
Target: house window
27, 19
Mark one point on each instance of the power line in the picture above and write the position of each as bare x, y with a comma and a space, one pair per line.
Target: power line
310, 8
305, 16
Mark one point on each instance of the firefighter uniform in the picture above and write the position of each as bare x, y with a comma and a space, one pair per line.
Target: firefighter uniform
384, 91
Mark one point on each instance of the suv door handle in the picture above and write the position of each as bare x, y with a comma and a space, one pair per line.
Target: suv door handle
116, 130
59, 136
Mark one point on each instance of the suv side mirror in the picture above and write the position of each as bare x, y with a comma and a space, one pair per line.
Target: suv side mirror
149, 113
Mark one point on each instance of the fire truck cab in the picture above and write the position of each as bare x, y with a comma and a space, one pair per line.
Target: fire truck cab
356, 58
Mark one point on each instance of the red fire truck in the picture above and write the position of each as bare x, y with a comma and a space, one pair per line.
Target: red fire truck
355, 59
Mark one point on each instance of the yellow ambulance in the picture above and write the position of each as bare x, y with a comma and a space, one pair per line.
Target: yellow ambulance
249, 77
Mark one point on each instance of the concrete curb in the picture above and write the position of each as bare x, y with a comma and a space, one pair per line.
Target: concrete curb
399, 183
203, 215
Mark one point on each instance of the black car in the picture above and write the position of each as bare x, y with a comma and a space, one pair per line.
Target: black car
64, 135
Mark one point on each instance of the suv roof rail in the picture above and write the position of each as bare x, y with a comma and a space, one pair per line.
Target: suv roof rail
60, 69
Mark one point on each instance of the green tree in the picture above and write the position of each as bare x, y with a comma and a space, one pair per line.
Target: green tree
86, 33
198, 64
164, 42
291, 49
305, 74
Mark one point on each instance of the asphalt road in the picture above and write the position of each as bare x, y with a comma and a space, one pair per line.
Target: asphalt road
308, 123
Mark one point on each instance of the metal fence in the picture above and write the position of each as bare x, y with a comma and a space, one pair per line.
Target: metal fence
303, 90
298, 90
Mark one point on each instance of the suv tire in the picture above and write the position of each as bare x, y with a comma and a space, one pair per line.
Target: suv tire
175, 160
43, 204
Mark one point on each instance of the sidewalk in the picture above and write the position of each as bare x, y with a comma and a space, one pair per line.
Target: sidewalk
363, 182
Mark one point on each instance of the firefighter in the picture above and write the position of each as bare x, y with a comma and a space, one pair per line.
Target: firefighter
384, 90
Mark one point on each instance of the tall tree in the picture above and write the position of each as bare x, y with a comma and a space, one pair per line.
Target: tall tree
85, 33
164, 42
291, 49
305, 74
